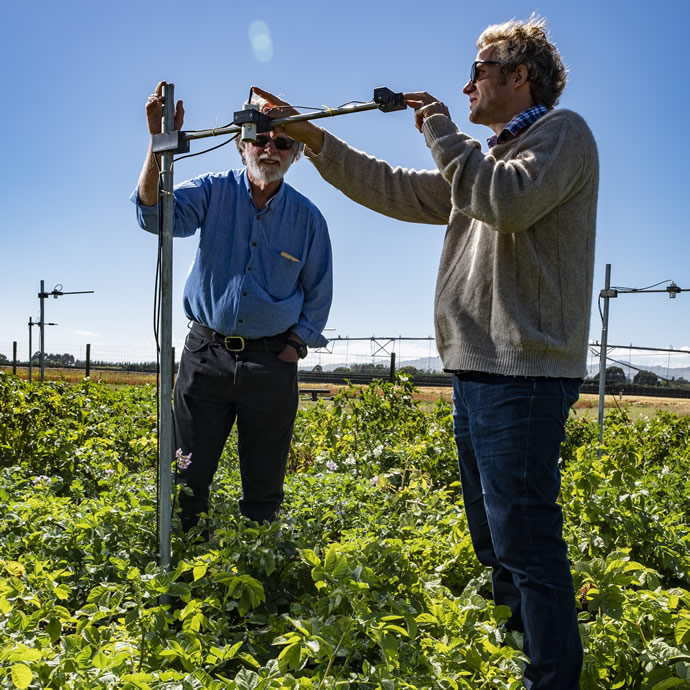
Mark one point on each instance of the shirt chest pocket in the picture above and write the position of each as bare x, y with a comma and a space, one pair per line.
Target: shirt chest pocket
280, 271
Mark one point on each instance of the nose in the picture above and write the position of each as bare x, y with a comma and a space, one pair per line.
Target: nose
469, 87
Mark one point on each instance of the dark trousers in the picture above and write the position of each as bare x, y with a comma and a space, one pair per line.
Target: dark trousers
214, 388
508, 432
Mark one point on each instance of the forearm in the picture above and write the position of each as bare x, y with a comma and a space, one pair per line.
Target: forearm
417, 196
148, 180
312, 137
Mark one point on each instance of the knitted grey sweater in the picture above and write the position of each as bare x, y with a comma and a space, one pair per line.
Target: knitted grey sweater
514, 286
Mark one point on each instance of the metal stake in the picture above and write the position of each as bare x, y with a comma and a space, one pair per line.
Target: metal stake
602, 353
165, 431
42, 355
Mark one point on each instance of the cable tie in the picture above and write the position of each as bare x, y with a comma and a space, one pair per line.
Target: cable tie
330, 110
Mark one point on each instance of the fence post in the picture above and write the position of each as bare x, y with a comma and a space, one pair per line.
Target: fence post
391, 377
88, 360
14, 357
172, 368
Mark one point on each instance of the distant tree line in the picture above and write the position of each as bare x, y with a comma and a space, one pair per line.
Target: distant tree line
616, 376
69, 361
372, 369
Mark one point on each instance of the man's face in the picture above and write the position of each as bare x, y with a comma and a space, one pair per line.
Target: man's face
267, 163
491, 98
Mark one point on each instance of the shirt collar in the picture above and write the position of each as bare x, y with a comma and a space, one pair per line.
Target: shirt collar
518, 124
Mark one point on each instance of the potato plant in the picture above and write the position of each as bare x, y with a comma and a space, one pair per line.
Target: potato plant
368, 580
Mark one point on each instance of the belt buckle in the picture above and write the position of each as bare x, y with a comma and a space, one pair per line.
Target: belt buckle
229, 338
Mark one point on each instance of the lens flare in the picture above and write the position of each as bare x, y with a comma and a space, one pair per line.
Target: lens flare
261, 41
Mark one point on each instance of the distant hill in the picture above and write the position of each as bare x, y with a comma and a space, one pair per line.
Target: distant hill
669, 373
424, 363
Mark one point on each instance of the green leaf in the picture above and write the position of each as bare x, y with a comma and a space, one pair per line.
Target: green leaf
682, 632
331, 559
669, 683
21, 676
290, 657
310, 557
100, 660
140, 680
54, 629
24, 653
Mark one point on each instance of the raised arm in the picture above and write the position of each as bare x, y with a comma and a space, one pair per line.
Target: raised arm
148, 179
408, 195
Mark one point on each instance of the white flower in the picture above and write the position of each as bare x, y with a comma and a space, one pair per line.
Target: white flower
332, 466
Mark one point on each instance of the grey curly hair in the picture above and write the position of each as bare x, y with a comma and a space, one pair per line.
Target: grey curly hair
527, 43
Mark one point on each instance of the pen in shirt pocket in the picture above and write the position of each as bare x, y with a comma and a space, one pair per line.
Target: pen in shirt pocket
289, 256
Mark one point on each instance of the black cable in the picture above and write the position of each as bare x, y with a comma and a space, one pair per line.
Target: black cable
157, 307
649, 287
213, 148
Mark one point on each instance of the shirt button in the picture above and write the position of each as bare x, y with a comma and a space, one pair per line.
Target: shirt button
249, 268
240, 321
253, 244
244, 294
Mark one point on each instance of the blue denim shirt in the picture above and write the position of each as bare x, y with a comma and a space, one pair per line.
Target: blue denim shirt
256, 272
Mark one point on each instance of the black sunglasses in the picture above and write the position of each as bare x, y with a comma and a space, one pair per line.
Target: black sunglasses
473, 70
281, 143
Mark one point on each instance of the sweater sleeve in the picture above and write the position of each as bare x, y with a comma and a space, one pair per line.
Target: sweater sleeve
416, 196
516, 184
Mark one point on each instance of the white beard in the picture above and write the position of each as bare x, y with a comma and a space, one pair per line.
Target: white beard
266, 174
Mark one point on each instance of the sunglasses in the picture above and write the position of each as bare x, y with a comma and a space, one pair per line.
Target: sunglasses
475, 64
281, 143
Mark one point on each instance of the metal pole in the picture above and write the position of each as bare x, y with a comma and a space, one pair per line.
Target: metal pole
31, 354
165, 431
42, 355
88, 360
602, 353
301, 117
14, 358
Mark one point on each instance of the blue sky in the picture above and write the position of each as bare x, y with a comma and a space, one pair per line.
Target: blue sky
76, 76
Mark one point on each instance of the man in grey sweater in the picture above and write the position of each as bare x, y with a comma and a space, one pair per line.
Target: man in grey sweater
512, 309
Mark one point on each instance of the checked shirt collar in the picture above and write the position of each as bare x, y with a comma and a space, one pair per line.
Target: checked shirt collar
518, 124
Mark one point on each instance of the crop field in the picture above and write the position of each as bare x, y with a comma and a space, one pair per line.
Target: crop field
368, 579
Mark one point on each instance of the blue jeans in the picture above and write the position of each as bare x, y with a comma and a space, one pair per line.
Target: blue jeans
508, 430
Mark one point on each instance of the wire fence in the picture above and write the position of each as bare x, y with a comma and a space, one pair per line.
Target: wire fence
359, 358
340, 353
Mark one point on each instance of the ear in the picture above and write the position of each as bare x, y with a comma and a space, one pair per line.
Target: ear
520, 75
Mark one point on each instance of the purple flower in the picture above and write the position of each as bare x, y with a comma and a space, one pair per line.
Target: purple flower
332, 466
183, 461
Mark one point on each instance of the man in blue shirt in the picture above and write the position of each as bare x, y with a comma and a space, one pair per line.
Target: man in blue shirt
257, 295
